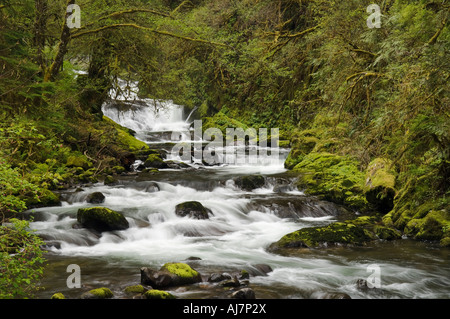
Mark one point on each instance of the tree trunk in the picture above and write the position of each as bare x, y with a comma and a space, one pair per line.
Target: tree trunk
64, 40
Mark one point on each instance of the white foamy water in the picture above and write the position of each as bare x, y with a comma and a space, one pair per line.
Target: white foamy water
237, 233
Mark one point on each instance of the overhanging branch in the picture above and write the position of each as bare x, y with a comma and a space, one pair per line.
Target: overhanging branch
132, 25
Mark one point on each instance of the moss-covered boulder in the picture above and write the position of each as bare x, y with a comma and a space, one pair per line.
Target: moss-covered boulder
170, 274
355, 232
58, 295
101, 219
109, 180
379, 185
155, 161
78, 161
125, 139
98, 293
434, 226
332, 177
192, 209
44, 198
158, 294
250, 182
135, 289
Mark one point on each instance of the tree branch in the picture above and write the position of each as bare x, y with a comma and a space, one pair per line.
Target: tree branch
132, 25
438, 32
180, 6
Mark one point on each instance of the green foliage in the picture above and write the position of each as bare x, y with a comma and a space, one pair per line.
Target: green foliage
21, 261
13, 188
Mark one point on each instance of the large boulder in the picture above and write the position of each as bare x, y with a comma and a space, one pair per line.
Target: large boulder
170, 274
379, 185
192, 209
101, 219
250, 182
355, 232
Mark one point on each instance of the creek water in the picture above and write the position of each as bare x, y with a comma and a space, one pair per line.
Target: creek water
235, 237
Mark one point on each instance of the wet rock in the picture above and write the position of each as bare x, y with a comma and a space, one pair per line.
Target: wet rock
355, 232
243, 293
158, 294
215, 277
99, 293
95, 198
260, 270
155, 161
333, 295
192, 209
171, 274
176, 165
234, 282
109, 180
361, 284
250, 182
152, 187
101, 219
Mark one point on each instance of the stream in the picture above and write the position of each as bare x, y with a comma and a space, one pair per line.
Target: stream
235, 237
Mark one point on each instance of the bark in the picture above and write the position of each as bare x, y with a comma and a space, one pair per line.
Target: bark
132, 25
64, 40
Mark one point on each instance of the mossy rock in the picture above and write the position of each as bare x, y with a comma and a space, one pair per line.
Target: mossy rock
183, 272
387, 233
355, 232
250, 182
58, 295
109, 180
158, 294
192, 209
45, 198
135, 289
221, 121
125, 139
99, 293
118, 169
379, 185
332, 177
155, 161
101, 219
170, 274
434, 226
78, 161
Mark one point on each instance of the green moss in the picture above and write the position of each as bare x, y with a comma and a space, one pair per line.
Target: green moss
58, 295
379, 185
78, 161
181, 270
433, 226
136, 289
353, 232
155, 161
125, 139
158, 294
332, 177
99, 293
101, 219
44, 198
222, 122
